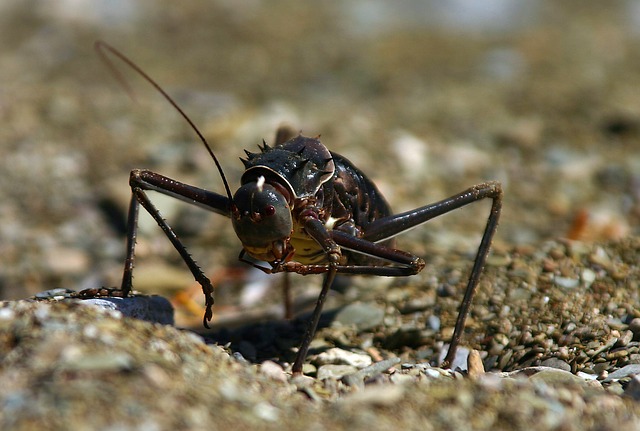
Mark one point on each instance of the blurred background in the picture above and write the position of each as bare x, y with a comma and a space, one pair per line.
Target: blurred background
426, 97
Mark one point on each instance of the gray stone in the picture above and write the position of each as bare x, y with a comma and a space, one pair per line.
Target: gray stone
626, 371
156, 309
624, 339
53, 293
552, 376
556, 363
360, 315
434, 322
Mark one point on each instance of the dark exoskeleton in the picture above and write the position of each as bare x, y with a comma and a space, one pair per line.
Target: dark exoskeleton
303, 209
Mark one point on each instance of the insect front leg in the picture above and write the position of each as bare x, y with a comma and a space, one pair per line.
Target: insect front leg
141, 181
331, 242
316, 230
315, 318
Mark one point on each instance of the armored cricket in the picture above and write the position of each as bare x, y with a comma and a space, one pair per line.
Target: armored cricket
303, 209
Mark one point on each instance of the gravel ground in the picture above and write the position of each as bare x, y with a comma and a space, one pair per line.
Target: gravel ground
426, 98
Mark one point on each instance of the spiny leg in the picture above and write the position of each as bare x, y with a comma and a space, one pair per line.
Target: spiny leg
388, 227
139, 197
478, 266
132, 234
141, 180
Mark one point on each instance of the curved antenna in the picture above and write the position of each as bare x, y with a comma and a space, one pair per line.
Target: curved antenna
101, 46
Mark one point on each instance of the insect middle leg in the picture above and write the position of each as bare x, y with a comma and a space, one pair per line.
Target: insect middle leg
407, 265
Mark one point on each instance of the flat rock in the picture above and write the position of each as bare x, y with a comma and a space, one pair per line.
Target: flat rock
553, 376
156, 309
626, 371
152, 308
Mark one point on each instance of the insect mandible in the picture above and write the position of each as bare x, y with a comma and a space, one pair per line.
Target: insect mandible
304, 209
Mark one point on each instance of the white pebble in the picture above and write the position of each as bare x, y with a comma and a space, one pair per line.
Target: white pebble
588, 276
343, 357
6, 314
266, 411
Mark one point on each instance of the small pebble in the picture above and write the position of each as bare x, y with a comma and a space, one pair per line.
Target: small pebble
266, 411
433, 322
337, 356
588, 276
626, 371
273, 371
7, 314
566, 282
436, 373
475, 368
331, 371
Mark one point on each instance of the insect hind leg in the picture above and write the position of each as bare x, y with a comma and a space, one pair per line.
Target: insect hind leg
388, 227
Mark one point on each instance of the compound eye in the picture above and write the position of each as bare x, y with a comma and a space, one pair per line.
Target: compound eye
269, 210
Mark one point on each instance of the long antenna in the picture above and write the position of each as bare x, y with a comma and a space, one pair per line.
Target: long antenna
101, 47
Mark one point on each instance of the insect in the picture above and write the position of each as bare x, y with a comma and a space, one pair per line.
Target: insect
304, 209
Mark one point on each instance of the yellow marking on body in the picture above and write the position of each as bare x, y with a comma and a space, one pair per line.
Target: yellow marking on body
307, 250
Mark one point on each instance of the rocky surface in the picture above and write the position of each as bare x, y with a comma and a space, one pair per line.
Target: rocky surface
428, 99
557, 363
73, 366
